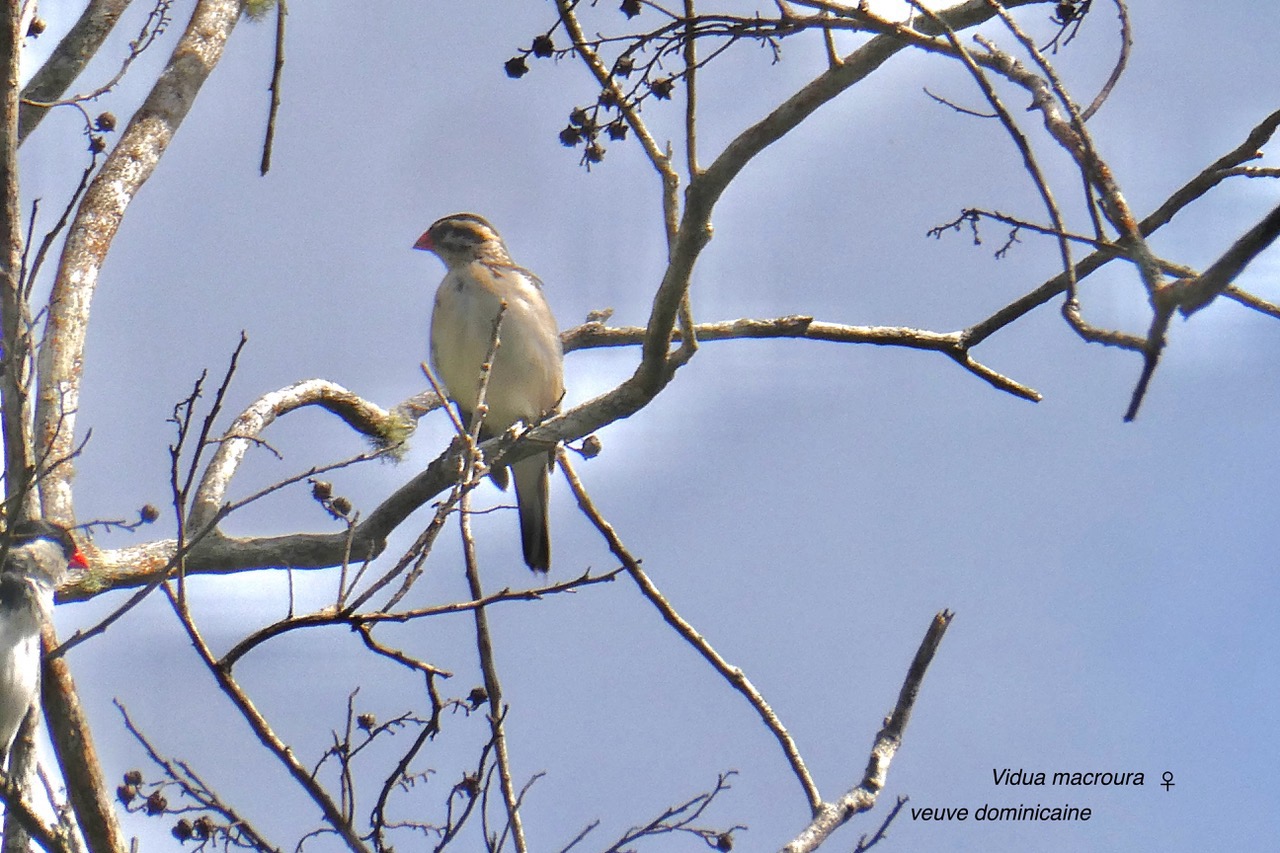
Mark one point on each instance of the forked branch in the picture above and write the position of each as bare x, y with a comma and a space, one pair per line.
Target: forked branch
863, 796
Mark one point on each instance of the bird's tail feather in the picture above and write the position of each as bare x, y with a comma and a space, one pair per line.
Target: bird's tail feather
532, 485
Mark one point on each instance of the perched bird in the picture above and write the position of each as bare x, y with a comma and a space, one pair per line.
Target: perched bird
38, 556
527, 377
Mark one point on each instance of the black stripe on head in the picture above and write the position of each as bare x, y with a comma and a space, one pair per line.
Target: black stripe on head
28, 531
464, 232
463, 217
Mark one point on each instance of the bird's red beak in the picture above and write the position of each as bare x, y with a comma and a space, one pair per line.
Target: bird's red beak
425, 243
78, 560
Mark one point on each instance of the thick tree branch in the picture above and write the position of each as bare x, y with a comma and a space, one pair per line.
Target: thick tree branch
636, 392
14, 338
81, 770
387, 428
694, 232
221, 554
61, 358
89, 238
217, 553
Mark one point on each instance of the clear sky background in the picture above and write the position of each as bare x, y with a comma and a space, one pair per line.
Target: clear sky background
807, 506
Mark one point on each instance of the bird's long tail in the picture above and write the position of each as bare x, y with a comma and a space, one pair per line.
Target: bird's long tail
532, 480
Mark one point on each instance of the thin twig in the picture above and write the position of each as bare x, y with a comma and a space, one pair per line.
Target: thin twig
277, 71
661, 162
1249, 300
195, 787
77, 48
679, 819
1122, 62
484, 638
266, 735
865, 843
732, 674
691, 91
329, 618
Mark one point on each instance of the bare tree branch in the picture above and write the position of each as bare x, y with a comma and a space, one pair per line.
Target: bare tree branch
1250, 301
17, 808
266, 734
1196, 293
277, 72
863, 796
199, 792
89, 238
361, 621
70, 732
19, 461
680, 819
1206, 180
219, 553
953, 344
132, 566
37, 466
69, 58
732, 674
1122, 62
387, 428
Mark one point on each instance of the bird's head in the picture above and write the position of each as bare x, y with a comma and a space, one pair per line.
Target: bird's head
42, 550
462, 238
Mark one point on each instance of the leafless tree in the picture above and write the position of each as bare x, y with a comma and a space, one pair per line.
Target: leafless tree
637, 56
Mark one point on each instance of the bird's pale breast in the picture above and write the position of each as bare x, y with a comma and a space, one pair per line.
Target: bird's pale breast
525, 382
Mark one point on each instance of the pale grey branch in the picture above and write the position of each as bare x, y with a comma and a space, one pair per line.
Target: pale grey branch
127, 168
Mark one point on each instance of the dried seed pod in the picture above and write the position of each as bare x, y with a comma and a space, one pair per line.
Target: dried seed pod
156, 803
516, 67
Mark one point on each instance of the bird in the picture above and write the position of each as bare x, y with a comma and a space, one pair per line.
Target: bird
526, 381
39, 553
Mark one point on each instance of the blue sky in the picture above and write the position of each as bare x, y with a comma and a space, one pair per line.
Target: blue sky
808, 506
